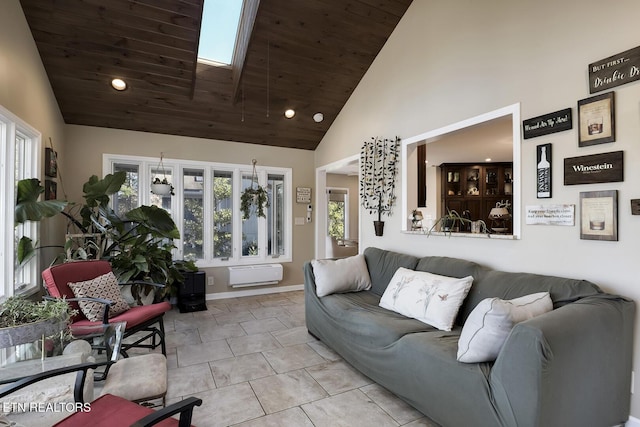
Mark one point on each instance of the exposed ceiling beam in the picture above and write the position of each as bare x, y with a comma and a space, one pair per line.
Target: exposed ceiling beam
245, 28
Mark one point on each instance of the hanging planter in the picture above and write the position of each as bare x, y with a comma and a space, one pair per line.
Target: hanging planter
379, 166
254, 198
162, 187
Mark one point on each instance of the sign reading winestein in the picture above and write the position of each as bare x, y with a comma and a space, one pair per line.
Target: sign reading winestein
615, 70
597, 168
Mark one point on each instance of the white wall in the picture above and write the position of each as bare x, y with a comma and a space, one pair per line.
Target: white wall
26, 92
451, 60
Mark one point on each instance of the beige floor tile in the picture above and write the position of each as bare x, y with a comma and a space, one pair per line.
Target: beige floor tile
263, 325
226, 406
253, 344
189, 380
234, 317
193, 354
183, 337
400, 411
221, 332
350, 409
294, 417
266, 312
324, 351
293, 336
338, 377
240, 369
292, 358
283, 391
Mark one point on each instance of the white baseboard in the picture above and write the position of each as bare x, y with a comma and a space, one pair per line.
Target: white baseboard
632, 422
253, 292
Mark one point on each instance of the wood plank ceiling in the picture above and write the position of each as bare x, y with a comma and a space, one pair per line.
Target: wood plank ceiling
308, 55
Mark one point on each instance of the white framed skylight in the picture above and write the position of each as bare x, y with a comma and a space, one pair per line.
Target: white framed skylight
220, 21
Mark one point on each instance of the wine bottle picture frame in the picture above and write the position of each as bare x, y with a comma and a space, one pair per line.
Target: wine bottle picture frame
543, 171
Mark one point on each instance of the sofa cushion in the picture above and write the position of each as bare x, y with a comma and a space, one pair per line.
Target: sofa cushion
382, 265
341, 275
506, 285
358, 319
490, 323
427, 297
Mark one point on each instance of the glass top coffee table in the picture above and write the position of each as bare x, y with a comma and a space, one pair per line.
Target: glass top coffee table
62, 350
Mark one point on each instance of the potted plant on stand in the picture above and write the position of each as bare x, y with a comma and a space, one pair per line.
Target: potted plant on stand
379, 167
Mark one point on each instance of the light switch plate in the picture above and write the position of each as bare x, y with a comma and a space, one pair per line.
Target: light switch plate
299, 220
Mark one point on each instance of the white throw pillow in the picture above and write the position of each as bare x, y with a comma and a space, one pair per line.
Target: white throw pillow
341, 275
490, 322
427, 297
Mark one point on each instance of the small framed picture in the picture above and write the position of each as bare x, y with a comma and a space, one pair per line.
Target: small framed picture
50, 162
50, 190
599, 215
596, 120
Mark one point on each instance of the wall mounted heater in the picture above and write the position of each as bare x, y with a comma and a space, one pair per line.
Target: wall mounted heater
254, 275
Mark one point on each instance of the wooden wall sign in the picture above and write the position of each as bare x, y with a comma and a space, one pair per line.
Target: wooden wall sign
615, 70
597, 168
549, 123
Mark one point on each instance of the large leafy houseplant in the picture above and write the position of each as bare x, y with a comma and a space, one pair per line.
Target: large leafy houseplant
138, 245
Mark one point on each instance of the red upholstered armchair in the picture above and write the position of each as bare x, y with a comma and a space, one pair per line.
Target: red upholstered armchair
147, 318
109, 410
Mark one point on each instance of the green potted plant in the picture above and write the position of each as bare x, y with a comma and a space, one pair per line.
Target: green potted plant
24, 321
452, 220
254, 197
138, 245
379, 166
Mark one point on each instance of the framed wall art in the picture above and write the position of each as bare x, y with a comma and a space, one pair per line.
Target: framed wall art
596, 120
599, 215
50, 190
50, 162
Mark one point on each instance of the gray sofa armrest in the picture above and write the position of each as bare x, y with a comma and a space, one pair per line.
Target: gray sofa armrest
550, 364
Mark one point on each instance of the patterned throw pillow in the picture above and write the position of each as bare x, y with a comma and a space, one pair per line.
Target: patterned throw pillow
427, 297
105, 287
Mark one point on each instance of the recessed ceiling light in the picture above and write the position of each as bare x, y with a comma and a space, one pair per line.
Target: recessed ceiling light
318, 117
488, 159
289, 113
118, 84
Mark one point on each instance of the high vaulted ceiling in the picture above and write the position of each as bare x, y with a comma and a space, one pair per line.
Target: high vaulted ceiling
308, 55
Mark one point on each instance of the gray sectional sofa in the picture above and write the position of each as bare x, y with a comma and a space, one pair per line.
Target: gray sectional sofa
568, 367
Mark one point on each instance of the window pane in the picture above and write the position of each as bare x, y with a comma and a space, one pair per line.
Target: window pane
336, 219
24, 275
249, 226
127, 198
192, 227
222, 214
275, 215
161, 201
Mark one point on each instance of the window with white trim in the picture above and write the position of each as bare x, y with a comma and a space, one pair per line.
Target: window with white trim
19, 159
206, 208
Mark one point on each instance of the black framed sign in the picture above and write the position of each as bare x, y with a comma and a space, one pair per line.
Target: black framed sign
50, 190
615, 70
543, 170
596, 120
557, 121
599, 215
593, 169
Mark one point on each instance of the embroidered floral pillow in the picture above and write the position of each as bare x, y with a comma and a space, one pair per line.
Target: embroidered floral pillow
429, 298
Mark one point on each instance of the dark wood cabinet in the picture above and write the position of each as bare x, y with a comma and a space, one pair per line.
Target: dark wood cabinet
472, 189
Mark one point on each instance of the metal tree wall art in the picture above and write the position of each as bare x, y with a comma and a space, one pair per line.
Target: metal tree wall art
379, 167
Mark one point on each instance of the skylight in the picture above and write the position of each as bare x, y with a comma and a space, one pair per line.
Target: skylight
220, 20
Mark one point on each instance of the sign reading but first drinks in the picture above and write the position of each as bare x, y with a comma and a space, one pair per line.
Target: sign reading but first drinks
615, 70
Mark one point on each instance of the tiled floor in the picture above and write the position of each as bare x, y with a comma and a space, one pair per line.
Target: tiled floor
253, 363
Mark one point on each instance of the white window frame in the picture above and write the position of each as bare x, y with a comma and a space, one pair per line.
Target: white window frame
12, 126
177, 167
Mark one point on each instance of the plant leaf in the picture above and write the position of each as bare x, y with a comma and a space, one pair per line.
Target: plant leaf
29, 208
